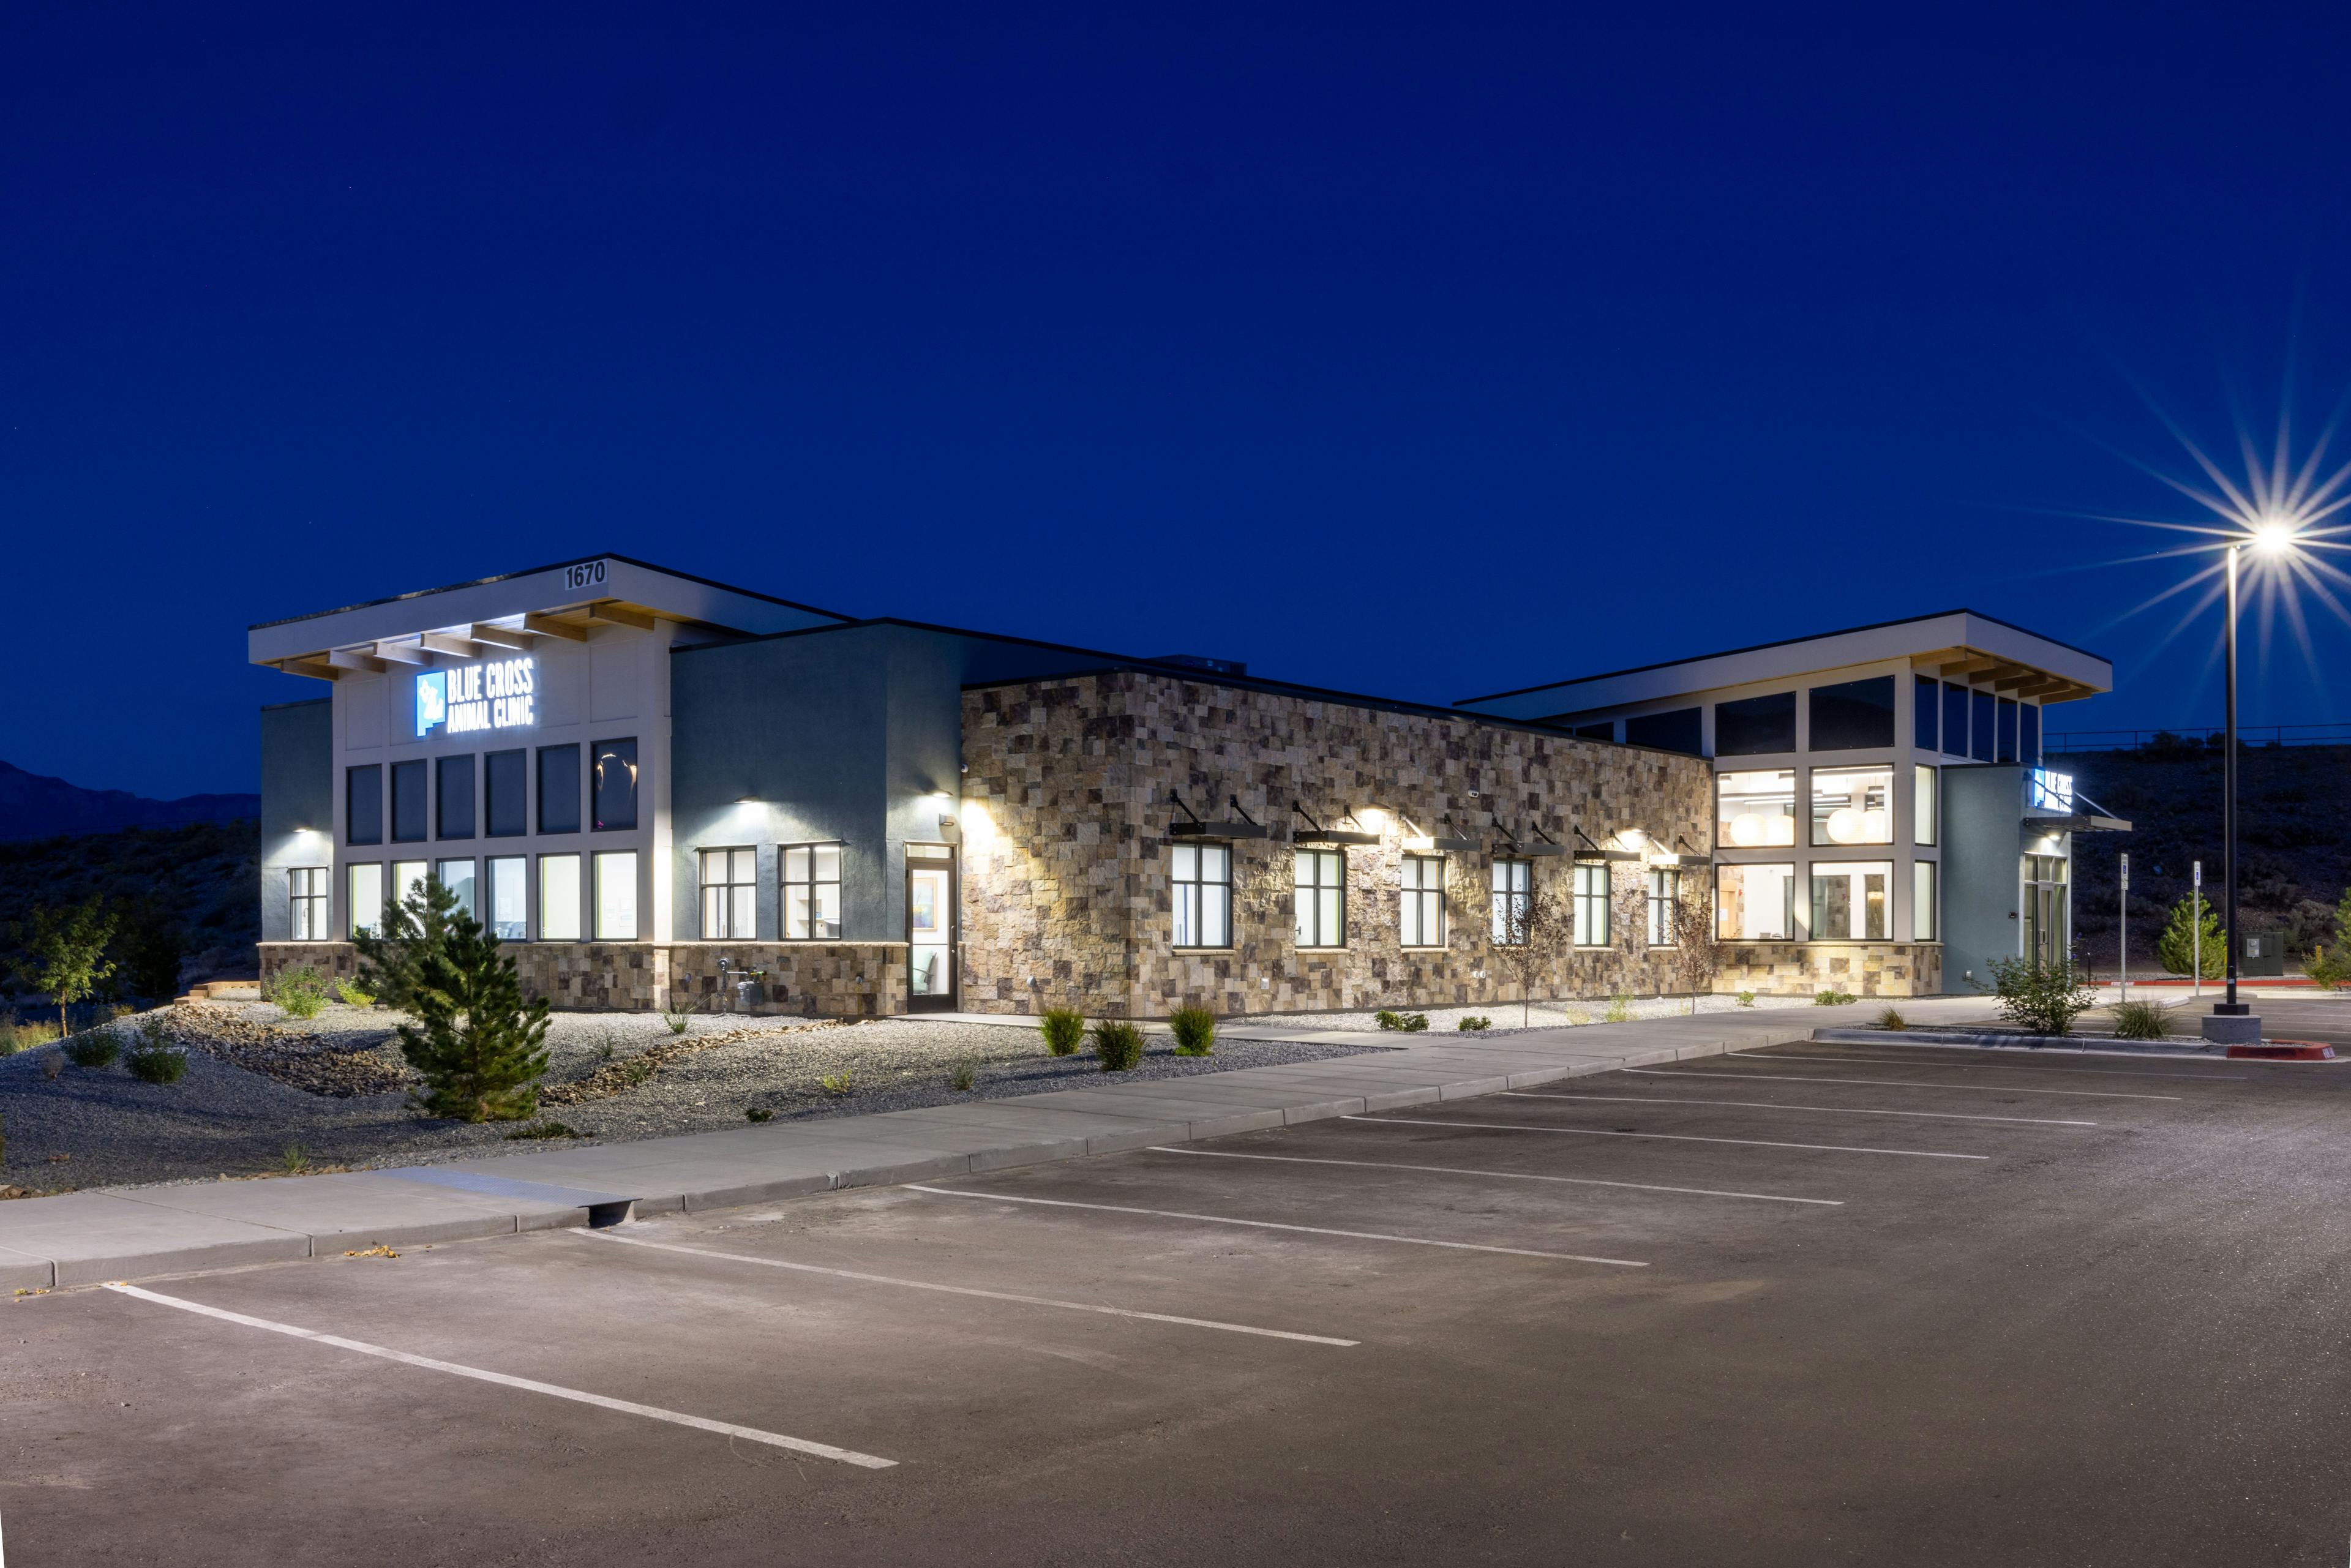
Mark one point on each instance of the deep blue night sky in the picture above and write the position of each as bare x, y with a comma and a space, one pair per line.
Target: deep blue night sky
1425, 353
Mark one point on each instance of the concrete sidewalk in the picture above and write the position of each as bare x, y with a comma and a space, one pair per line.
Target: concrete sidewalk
80, 1239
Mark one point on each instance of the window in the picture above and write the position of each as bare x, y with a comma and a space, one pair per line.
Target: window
306, 899
1423, 901
1755, 726
506, 794
559, 898
616, 896
1927, 708
616, 786
1980, 709
1321, 898
365, 903
508, 912
1853, 715
1955, 719
363, 804
455, 818
1515, 901
1665, 892
1677, 731
1849, 900
457, 876
1925, 791
559, 788
1755, 903
2028, 734
1603, 730
407, 876
408, 789
811, 891
1922, 901
1203, 896
1853, 806
1590, 904
2007, 729
1754, 810
730, 895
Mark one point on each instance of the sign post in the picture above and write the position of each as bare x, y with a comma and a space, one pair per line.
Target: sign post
2124, 969
2196, 908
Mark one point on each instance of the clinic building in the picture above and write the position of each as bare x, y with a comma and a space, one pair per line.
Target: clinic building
657, 790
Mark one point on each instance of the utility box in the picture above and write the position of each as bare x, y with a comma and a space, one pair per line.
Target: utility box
2263, 954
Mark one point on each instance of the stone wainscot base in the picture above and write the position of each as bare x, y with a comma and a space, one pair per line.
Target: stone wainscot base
1807, 969
827, 980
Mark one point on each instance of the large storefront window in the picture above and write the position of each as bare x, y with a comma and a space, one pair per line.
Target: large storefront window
559, 898
509, 900
1849, 900
306, 901
457, 876
1321, 899
1853, 715
366, 902
407, 876
730, 895
559, 788
409, 788
616, 896
506, 794
1590, 901
1926, 803
1923, 911
363, 804
811, 891
1203, 896
1755, 810
1665, 892
1853, 806
1514, 899
1423, 913
454, 817
616, 786
1755, 903
1756, 727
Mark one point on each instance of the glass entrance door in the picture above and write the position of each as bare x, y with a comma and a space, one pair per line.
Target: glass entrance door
2046, 910
930, 928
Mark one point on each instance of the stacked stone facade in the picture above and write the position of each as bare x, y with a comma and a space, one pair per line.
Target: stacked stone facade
1068, 798
1859, 969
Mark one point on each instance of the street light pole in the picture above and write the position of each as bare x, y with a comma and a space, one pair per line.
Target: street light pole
2231, 1022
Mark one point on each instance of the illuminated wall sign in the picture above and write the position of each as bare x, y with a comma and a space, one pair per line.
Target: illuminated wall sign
2048, 791
500, 696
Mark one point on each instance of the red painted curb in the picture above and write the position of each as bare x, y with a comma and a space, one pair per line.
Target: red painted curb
2283, 1050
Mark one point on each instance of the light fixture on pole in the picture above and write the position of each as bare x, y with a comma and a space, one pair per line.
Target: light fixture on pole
2231, 1021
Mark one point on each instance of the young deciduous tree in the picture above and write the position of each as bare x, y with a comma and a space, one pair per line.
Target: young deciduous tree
1699, 952
1532, 933
64, 953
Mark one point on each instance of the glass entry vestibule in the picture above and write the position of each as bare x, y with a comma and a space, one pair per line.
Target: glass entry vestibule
931, 928
2046, 910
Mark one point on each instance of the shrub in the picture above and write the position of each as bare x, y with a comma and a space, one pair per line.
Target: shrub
1064, 1030
2175, 949
478, 1046
1410, 1023
98, 1048
298, 989
541, 1129
1889, 1019
2142, 1020
294, 1160
2328, 974
1833, 997
837, 1083
1118, 1043
962, 1074
679, 1019
1473, 1022
153, 1057
760, 1114
16, 1036
1747, 998
1620, 1009
1195, 1031
352, 995
2044, 999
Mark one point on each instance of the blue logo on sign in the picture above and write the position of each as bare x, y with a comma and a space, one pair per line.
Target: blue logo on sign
432, 702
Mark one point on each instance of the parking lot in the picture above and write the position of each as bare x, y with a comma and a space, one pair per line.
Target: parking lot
1808, 1304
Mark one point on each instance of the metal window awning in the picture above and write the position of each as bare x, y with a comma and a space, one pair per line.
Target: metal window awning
1197, 827
1418, 841
1315, 832
2081, 815
1592, 852
1541, 848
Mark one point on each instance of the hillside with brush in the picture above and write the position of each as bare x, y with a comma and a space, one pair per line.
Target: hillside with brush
200, 882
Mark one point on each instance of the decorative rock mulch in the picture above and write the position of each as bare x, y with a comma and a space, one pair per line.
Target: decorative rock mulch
340, 1067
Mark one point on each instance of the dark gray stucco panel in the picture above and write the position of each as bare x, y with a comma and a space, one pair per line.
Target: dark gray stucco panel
1984, 837
298, 802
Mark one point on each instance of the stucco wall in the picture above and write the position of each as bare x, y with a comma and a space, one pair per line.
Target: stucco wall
1065, 811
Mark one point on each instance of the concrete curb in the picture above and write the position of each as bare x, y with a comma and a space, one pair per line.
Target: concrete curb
83, 1239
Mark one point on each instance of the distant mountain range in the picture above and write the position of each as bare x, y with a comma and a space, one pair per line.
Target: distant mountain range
35, 807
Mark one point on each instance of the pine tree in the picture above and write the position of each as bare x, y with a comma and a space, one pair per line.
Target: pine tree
2176, 947
392, 955
479, 1047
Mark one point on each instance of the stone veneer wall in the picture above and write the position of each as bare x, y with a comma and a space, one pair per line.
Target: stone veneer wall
830, 979
1805, 968
1066, 870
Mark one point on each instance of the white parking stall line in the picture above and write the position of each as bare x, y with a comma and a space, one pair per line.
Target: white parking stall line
1497, 1176
1271, 1225
2039, 1065
1768, 1106
1902, 1084
529, 1385
967, 1290
1657, 1137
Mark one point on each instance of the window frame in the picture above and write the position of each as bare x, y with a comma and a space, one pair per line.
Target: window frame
1845, 870
1584, 903
488, 896
595, 822
786, 881
491, 795
611, 859
1661, 926
572, 910
1926, 804
1505, 899
351, 794
471, 903
421, 770
1722, 823
309, 904
353, 904
1817, 823
1743, 869
571, 750
1925, 892
461, 769
1299, 931
1416, 900
738, 900
1191, 898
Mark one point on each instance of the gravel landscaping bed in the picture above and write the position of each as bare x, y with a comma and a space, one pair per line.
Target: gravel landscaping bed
334, 1088
1506, 1017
